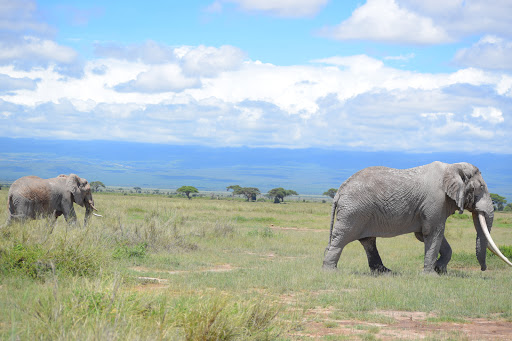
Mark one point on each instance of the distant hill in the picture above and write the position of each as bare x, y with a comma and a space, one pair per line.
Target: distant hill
307, 171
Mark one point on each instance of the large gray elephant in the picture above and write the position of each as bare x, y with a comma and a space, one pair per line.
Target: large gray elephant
387, 202
31, 197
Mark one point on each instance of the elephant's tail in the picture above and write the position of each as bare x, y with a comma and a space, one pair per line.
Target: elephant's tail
10, 208
333, 214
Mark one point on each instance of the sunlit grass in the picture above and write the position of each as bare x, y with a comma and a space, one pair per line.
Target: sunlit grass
170, 268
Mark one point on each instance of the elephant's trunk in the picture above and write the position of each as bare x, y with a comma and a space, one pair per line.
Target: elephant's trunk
89, 208
88, 212
484, 239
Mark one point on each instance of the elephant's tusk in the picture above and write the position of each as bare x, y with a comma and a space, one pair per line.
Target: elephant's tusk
97, 215
491, 245
94, 208
490, 249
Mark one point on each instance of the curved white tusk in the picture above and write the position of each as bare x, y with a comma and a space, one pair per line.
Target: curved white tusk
490, 249
491, 245
94, 208
97, 215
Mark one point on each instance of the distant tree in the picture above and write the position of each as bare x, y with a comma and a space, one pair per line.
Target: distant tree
156, 191
280, 193
95, 185
331, 192
290, 192
187, 190
508, 207
234, 188
498, 201
137, 189
250, 193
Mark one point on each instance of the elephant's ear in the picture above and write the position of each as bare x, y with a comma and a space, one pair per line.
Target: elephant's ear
73, 185
454, 184
457, 185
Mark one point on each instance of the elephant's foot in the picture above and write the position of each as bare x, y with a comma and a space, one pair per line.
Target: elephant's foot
329, 267
440, 269
379, 270
331, 257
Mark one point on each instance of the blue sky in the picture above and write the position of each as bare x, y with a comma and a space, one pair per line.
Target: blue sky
391, 75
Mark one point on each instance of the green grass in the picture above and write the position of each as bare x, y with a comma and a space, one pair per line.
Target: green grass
171, 268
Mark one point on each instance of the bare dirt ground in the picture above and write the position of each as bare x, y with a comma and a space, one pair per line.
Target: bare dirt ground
404, 326
155, 283
318, 323
272, 226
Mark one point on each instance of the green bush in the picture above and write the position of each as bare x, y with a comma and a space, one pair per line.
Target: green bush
130, 251
506, 250
265, 232
21, 258
35, 261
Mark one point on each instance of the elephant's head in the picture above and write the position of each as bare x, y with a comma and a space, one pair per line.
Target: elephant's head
81, 193
464, 184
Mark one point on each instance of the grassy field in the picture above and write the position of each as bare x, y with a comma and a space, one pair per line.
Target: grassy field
175, 269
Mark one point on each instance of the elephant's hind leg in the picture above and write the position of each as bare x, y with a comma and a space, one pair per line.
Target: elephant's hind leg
342, 234
331, 257
374, 260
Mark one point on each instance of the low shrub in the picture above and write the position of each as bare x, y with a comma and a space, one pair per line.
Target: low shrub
130, 251
35, 261
265, 232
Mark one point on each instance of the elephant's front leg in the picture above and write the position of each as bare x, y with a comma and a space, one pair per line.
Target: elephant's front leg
445, 255
70, 215
433, 243
445, 252
374, 260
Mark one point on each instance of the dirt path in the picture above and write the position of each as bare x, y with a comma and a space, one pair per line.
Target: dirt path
162, 281
272, 226
405, 326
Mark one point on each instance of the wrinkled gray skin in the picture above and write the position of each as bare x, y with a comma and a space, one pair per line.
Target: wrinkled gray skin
31, 197
386, 202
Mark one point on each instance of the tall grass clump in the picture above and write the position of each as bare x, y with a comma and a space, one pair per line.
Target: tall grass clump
155, 233
225, 318
32, 250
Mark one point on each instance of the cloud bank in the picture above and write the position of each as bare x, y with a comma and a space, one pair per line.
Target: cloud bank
219, 96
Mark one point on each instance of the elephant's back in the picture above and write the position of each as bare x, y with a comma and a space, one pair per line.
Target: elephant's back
31, 188
382, 192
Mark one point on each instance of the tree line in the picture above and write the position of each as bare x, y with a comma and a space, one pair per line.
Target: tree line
278, 194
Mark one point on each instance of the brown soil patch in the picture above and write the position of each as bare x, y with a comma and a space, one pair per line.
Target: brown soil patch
261, 255
152, 280
271, 255
149, 287
405, 315
272, 226
405, 326
217, 268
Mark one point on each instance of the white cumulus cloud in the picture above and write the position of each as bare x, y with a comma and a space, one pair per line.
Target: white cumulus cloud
282, 8
210, 61
386, 20
160, 78
491, 114
490, 52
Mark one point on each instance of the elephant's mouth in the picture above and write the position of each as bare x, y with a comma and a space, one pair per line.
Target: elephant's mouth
491, 245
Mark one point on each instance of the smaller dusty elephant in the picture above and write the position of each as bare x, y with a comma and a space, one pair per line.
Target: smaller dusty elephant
31, 197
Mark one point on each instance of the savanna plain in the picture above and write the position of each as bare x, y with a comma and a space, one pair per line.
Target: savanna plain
165, 268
